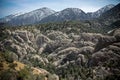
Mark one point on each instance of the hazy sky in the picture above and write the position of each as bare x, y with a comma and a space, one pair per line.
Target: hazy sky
8, 7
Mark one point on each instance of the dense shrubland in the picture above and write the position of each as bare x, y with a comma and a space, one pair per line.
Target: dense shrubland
72, 50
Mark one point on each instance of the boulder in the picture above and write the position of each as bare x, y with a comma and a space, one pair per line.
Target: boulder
93, 37
104, 42
54, 45
57, 35
41, 39
116, 33
23, 34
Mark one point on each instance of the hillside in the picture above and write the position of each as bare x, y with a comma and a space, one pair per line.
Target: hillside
10, 69
110, 16
70, 50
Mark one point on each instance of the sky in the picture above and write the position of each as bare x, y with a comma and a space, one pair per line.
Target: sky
8, 7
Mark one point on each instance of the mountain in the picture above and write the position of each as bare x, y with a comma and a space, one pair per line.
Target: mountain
66, 15
75, 14
44, 15
111, 15
31, 17
10, 17
100, 11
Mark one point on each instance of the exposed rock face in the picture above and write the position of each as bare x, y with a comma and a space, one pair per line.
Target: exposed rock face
25, 43
41, 42
93, 37
58, 49
116, 33
55, 77
52, 46
70, 54
108, 48
104, 42
22, 34
110, 52
57, 35
41, 39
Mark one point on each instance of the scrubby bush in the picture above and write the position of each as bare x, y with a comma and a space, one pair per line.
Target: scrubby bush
8, 57
25, 74
8, 75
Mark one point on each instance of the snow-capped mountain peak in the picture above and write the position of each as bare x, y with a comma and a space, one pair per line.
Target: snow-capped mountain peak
45, 14
10, 17
101, 11
66, 14
30, 17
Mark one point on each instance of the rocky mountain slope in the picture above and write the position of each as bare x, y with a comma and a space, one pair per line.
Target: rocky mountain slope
10, 69
70, 51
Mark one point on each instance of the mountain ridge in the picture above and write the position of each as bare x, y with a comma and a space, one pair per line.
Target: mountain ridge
100, 11
44, 15
31, 17
66, 14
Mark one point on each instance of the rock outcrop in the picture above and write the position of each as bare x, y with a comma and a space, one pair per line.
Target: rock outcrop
59, 50
107, 49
